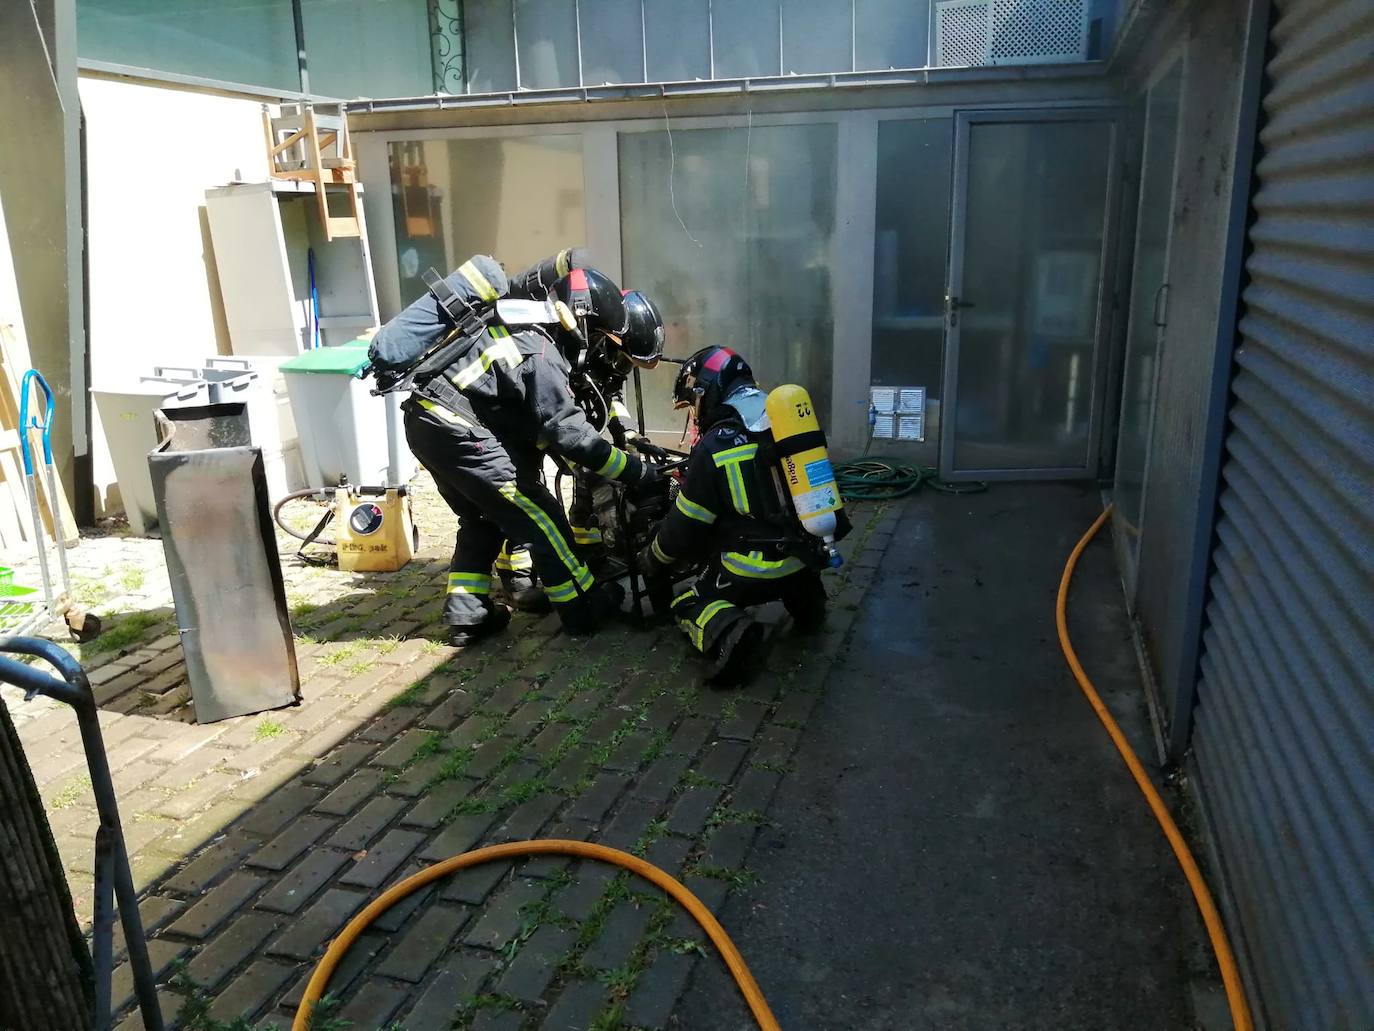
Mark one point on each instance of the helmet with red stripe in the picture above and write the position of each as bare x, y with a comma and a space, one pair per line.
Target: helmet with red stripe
594, 300
707, 379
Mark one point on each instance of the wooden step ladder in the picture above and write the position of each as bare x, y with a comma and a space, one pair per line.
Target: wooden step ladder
310, 144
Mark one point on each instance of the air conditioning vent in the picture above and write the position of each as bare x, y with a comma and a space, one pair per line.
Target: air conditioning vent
982, 32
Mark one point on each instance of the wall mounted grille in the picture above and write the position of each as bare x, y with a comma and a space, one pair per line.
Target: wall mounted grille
980, 32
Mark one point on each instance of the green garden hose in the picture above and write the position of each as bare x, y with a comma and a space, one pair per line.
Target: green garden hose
881, 478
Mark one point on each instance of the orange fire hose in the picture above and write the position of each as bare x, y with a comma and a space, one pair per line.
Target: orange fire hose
1216, 930
517, 849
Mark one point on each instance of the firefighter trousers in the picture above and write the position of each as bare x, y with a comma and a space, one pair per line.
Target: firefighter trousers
513, 564
733, 581
498, 494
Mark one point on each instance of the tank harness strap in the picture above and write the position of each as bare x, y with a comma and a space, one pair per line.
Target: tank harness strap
795, 445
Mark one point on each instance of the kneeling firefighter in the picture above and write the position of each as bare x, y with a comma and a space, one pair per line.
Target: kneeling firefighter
734, 509
490, 396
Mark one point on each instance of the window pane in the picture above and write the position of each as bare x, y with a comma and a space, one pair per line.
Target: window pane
396, 61
745, 258
517, 199
250, 41
489, 35
677, 40
911, 248
746, 36
612, 44
815, 35
890, 33
547, 31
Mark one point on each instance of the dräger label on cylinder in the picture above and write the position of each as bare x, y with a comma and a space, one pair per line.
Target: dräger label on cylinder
791, 471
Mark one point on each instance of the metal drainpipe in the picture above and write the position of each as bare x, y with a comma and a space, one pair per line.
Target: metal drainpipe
298, 20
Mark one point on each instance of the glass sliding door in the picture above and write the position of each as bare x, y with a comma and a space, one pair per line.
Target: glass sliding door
730, 231
1149, 307
1023, 311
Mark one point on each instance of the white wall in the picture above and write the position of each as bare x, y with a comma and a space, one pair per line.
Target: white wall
154, 295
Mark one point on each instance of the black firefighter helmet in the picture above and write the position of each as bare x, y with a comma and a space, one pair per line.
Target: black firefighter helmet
624, 326
706, 379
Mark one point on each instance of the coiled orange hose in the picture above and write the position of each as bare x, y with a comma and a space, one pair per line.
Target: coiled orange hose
1216, 930
319, 980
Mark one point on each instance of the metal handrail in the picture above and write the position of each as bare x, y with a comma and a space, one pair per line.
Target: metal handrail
113, 876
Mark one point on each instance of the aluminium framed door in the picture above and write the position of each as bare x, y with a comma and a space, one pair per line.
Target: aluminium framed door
1030, 242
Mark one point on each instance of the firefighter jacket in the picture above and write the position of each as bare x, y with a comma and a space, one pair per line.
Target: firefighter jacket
517, 386
728, 506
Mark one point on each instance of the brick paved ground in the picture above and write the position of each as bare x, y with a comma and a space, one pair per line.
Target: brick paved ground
257, 838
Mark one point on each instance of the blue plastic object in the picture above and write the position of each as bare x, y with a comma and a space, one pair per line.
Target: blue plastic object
25, 425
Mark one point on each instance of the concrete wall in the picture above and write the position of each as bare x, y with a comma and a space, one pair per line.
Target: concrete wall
154, 293
40, 191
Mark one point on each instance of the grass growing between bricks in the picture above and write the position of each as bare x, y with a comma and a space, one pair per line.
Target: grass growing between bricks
568, 719
622, 981
409, 696
72, 793
117, 638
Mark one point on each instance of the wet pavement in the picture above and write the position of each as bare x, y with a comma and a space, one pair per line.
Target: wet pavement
959, 845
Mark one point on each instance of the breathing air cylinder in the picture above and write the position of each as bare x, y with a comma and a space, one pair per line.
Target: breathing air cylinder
805, 461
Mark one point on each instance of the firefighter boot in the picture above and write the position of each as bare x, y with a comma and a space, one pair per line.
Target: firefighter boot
585, 615
734, 653
463, 636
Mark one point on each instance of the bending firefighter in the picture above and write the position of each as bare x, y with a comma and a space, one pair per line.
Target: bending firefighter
491, 395
733, 512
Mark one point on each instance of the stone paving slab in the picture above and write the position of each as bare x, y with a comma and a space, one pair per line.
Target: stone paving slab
405, 752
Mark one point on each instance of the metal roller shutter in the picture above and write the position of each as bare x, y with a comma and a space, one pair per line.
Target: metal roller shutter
1284, 738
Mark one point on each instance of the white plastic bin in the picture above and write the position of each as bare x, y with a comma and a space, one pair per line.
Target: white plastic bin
343, 429
126, 416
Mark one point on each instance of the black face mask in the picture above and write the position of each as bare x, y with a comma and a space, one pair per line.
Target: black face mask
608, 358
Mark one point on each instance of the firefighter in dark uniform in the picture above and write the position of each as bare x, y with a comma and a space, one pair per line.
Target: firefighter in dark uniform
599, 386
729, 513
606, 371
482, 428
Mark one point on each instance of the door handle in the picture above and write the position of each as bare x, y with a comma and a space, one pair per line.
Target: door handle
952, 305
1160, 316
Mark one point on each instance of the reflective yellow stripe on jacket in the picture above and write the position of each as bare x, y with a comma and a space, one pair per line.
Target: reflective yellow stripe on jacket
442, 412
614, 465
692, 510
504, 350
731, 461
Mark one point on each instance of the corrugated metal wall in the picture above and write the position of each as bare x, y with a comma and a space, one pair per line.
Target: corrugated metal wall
1284, 738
